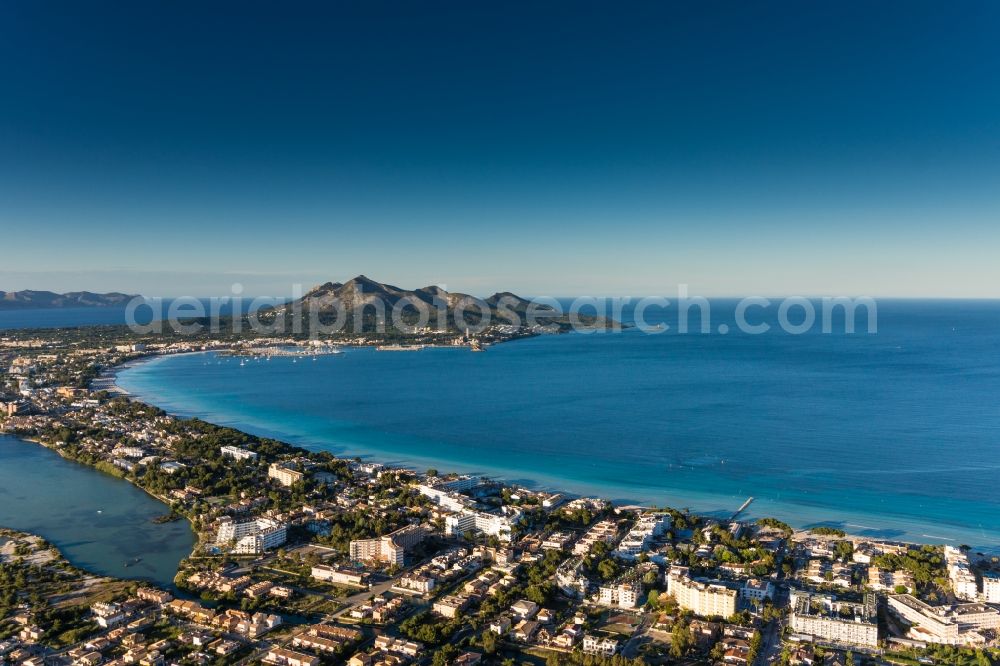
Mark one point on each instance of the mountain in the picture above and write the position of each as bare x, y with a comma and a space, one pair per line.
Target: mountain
355, 296
30, 299
334, 295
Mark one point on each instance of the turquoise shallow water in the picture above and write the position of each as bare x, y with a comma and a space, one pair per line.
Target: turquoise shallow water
99, 522
895, 434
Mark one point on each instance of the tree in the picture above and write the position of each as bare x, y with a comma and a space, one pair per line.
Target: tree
608, 569
489, 642
444, 656
755, 642
681, 640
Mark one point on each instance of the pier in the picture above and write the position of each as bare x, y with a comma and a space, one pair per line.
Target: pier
742, 508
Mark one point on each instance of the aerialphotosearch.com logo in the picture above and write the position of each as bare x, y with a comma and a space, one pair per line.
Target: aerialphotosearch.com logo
425, 313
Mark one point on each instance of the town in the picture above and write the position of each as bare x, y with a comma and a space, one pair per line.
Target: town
304, 558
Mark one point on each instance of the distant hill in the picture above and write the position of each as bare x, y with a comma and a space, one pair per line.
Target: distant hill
30, 299
361, 289
348, 299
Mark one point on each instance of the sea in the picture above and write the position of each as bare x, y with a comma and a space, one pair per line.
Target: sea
151, 309
893, 433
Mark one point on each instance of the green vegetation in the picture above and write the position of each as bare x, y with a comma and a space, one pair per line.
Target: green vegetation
774, 523
947, 654
681, 640
46, 576
742, 551
428, 628
755, 642
925, 564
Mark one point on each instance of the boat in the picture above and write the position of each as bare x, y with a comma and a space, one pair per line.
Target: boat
399, 348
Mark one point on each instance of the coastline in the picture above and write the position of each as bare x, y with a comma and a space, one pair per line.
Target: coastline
107, 379
858, 525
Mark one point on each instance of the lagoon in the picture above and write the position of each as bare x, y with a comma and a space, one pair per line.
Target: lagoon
99, 522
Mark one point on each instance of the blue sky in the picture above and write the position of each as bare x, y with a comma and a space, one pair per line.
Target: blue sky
544, 147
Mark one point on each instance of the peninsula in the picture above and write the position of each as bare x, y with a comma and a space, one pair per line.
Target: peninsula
29, 299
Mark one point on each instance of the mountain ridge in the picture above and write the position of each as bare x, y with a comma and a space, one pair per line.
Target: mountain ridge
364, 305
29, 299
349, 294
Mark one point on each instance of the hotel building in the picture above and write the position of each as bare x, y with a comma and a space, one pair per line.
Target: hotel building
236, 453
625, 592
991, 587
284, 474
961, 577
836, 621
706, 599
252, 537
958, 624
391, 548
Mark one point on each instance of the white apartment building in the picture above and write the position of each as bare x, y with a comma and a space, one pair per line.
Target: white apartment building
286, 476
336, 575
456, 485
445, 498
757, 590
599, 645
459, 523
107, 615
625, 592
962, 579
702, 598
391, 548
885, 580
500, 526
251, 537
836, 621
571, 579
557, 540
605, 531
417, 582
236, 453
641, 536
624, 595
991, 587
958, 624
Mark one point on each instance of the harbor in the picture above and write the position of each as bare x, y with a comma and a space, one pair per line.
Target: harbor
282, 352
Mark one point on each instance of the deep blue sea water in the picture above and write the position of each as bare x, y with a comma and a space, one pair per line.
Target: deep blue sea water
100, 523
61, 317
153, 310
895, 434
